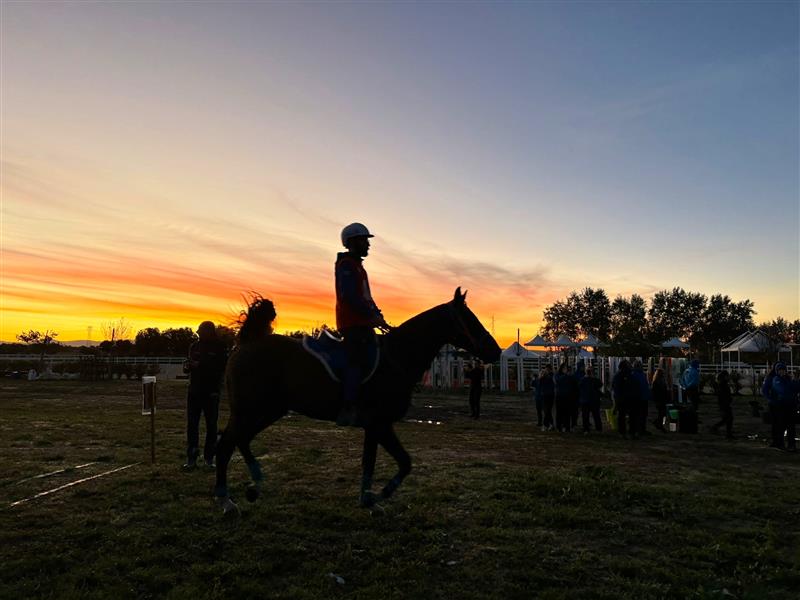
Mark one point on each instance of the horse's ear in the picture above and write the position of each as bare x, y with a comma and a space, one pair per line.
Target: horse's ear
458, 296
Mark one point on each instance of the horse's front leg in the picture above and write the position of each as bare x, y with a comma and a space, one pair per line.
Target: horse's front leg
388, 439
367, 498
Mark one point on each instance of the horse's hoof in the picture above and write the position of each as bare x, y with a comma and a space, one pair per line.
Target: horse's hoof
368, 500
252, 493
229, 508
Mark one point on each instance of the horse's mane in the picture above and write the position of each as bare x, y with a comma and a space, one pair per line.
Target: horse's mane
418, 321
256, 322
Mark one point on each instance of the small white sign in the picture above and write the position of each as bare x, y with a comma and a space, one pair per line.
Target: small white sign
148, 394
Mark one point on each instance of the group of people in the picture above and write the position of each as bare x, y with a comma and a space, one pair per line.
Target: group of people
571, 394
576, 392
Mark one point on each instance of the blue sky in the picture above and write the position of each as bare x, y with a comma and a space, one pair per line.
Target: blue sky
523, 149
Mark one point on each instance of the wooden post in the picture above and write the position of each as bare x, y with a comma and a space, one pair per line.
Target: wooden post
149, 408
153, 429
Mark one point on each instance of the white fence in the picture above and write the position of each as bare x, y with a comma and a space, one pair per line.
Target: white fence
515, 374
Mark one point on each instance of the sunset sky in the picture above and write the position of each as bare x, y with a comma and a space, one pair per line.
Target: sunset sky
161, 159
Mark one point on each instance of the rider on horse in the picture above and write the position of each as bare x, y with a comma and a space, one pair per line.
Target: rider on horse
357, 315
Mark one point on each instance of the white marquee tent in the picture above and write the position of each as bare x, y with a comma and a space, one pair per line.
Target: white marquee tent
753, 341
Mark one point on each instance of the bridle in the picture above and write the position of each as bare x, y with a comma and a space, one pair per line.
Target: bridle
462, 326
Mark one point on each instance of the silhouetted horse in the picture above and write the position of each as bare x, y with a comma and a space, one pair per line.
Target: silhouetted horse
268, 375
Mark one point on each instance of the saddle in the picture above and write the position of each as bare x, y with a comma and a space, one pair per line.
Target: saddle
329, 350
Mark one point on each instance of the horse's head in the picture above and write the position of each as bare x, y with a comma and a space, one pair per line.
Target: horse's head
467, 331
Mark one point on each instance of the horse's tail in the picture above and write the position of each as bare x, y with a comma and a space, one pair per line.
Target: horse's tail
256, 322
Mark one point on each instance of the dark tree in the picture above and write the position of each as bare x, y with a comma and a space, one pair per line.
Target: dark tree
582, 313
628, 326
674, 313
39, 340
179, 340
722, 320
151, 342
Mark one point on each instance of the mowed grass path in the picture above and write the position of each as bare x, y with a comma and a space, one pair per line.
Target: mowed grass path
493, 508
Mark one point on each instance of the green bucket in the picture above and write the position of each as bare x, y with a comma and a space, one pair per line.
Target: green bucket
673, 414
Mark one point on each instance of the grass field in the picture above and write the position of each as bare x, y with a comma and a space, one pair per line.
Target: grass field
493, 508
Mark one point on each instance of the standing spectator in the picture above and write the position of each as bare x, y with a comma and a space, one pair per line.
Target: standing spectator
626, 400
660, 394
205, 366
644, 396
589, 388
690, 382
475, 376
580, 369
537, 401
725, 401
781, 394
545, 396
566, 393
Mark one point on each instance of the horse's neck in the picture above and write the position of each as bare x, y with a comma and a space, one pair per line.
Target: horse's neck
415, 343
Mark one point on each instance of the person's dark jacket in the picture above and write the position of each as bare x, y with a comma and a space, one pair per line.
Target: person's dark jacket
211, 356
780, 391
545, 387
566, 386
589, 389
644, 387
354, 304
660, 392
625, 388
724, 396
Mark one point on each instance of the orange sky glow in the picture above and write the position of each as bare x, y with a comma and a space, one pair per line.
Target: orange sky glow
158, 161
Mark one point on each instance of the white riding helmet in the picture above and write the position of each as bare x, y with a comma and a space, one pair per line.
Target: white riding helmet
354, 230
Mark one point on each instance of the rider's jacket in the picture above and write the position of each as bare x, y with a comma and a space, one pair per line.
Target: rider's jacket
354, 304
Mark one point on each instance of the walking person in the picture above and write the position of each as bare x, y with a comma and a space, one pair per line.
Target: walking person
589, 388
625, 389
545, 395
205, 367
725, 401
566, 393
781, 393
475, 376
660, 394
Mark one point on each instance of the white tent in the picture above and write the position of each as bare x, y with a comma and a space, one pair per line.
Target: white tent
674, 343
754, 341
539, 342
513, 356
516, 350
564, 341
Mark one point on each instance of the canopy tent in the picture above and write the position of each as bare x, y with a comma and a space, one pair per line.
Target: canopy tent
513, 356
516, 350
674, 343
539, 342
563, 341
754, 342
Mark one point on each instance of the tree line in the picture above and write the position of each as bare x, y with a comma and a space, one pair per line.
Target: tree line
151, 341
632, 326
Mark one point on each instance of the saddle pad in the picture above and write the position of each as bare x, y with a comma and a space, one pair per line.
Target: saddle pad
329, 350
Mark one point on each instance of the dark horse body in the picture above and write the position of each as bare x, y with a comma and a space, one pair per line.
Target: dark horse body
269, 375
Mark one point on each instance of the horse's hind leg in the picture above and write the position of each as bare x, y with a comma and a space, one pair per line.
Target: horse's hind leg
225, 448
254, 468
388, 439
367, 498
